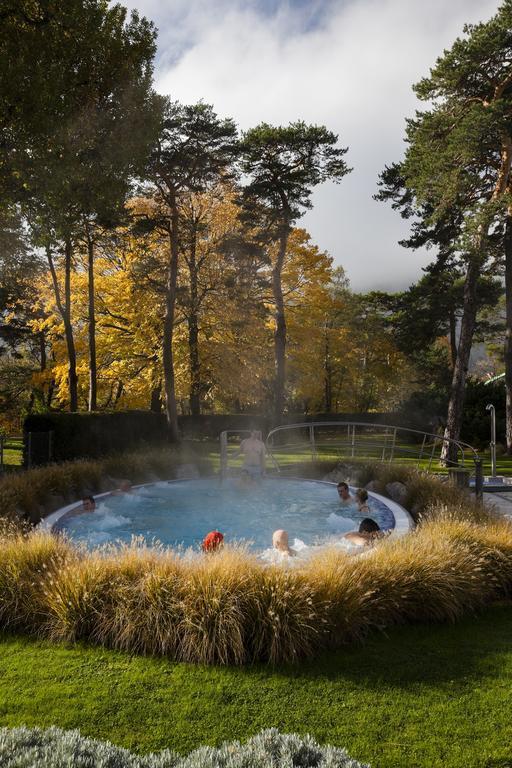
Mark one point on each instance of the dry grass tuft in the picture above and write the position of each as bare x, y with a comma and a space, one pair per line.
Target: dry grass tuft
228, 608
28, 567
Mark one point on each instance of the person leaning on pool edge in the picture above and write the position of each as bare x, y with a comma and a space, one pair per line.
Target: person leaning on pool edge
369, 531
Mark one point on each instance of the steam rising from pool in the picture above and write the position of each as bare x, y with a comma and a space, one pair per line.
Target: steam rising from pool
181, 513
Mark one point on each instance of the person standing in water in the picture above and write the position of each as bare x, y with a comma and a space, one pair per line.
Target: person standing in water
253, 451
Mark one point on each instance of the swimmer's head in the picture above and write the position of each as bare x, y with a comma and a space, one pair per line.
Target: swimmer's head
280, 540
368, 526
362, 495
88, 503
343, 490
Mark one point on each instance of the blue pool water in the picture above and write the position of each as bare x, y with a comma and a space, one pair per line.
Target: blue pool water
181, 513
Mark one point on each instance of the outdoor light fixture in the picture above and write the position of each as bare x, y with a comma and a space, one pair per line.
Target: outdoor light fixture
490, 407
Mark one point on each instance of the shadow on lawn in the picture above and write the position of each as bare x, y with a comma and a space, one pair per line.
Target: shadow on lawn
434, 653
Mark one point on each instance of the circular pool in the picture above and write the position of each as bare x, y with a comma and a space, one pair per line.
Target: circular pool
180, 513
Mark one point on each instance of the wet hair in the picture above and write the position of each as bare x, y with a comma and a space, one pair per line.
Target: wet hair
342, 485
362, 494
89, 498
368, 526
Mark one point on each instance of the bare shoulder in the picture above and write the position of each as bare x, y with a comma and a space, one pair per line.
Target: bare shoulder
357, 538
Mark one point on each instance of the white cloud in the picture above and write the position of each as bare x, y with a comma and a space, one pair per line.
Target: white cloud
352, 71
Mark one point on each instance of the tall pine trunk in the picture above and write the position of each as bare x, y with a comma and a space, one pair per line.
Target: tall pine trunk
93, 374
171, 410
327, 373
508, 329
193, 336
64, 308
453, 337
456, 404
41, 337
280, 329
460, 370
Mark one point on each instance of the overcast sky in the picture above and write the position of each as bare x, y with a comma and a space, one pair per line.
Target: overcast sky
348, 64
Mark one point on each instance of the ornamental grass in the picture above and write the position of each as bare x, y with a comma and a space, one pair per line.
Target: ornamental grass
228, 608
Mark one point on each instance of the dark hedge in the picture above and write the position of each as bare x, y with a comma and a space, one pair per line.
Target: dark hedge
90, 435
65, 436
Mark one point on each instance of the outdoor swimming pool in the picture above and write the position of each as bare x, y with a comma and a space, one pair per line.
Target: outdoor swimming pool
180, 513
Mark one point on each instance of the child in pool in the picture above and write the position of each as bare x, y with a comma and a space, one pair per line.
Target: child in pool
362, 501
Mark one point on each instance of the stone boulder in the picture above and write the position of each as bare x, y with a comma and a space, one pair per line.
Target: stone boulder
339, 474
36, 514
374, 486
397, 491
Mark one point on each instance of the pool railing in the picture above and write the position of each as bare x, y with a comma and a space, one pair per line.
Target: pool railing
290, 444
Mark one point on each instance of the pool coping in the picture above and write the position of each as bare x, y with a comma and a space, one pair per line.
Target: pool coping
403, 520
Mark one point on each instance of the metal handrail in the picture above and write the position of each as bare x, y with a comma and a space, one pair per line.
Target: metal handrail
388, 445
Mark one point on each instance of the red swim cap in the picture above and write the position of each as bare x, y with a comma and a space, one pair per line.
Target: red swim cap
212, 541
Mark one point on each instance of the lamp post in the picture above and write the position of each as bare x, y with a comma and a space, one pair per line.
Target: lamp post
491, 408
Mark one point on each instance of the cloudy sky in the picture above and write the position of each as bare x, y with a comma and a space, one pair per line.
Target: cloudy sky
348, 64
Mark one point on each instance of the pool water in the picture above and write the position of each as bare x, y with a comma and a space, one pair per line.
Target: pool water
181, 513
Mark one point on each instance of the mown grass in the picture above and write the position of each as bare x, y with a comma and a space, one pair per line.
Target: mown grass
331, 452
12, 452
430, 698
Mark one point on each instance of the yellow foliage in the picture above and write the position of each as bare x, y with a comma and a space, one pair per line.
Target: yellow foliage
337, 358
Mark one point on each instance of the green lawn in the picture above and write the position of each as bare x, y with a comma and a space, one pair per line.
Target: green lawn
436, 697
13, 452
291, 456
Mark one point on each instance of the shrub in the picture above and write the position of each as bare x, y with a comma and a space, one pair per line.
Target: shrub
55, 748
91, 435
